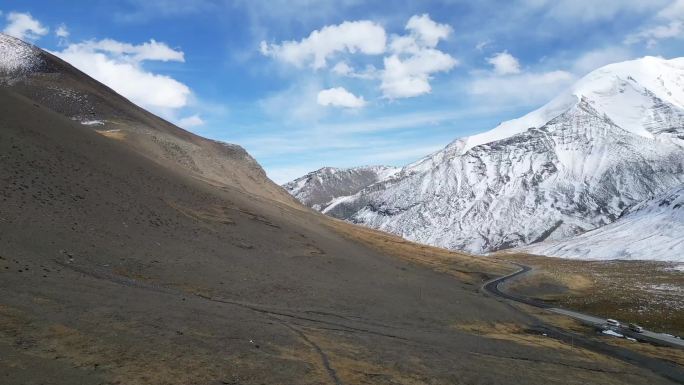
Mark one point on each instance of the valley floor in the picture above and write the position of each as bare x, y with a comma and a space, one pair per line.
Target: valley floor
644, 292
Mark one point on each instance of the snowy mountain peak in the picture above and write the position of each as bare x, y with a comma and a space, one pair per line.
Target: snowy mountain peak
663, 77
627, 92
17, 56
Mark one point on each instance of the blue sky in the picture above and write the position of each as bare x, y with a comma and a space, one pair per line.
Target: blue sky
304, 84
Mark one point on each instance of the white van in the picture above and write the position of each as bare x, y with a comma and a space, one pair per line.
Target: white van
613, 322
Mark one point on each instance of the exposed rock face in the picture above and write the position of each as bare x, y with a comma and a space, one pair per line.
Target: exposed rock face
319, 188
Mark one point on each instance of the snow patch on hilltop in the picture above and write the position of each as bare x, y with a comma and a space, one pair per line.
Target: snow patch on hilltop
17, 57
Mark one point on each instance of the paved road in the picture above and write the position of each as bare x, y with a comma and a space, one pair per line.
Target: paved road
646, 335
493, 287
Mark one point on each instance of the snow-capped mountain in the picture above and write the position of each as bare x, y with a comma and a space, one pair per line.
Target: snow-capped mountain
611, 141
318, 188
653, 229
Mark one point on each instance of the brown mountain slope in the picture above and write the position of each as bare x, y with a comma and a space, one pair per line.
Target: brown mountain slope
62, 88
121, 268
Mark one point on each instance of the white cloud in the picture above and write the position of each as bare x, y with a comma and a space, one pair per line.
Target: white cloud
523, 89
62, 31
339, 97
426, 31
151, 50
411, 77
415, 59
407, 71
119, 66
404, 44
363, 36
24, 26
342, 68
191, 121
504, 63
423, 33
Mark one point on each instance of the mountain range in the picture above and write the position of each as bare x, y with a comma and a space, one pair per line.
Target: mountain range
319, 188
595, 155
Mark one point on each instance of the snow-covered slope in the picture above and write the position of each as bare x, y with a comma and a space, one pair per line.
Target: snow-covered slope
651, 230
622, 91
613, 140
318, 188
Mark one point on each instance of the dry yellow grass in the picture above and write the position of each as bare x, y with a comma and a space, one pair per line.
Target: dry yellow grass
354, 364
515, 333
625, 290
573, 282
466, 267
664, 353
167, 364
116, 134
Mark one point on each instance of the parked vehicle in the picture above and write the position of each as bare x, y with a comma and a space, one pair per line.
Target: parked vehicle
612, 322
636, 328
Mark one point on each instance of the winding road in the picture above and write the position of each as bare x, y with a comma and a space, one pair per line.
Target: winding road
662, 367
493, 287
